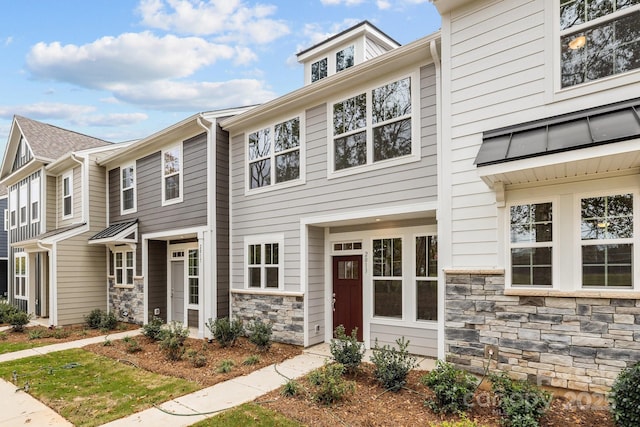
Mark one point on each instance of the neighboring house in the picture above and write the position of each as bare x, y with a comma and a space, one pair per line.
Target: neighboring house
56, 202
334, 193
4, 246
539, 221
167, 234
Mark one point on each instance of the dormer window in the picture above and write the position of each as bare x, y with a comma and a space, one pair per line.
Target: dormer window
319, 70
344, 58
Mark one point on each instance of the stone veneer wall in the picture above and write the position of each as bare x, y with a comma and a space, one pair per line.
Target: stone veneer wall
127, 303
283, 311
571, 342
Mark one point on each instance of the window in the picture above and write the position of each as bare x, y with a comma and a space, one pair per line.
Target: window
374, 126
127, 189
426, 278
123, 267
22, 150
264, 268
67, 195
606, 233
13, 207
274, 154
172, 175
387, 277
24, 213
344, 58
193, 276
34, 192
599, 38
319, 70
20, 276
531, 244
6, 220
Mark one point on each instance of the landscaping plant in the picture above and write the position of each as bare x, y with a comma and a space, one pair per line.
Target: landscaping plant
328, 385
624, 397
346, 349
453, 388
521, 403
197, 358
392, 365
173, 337
6, 310
18, 320
226, 332
260, 334
100, 319
153, 329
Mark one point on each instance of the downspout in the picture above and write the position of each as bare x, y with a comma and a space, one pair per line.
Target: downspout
208, 305
53, 298
441, 195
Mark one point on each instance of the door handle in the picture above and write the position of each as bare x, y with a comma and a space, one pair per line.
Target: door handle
333, 302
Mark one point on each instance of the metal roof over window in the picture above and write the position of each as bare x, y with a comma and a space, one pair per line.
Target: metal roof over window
596, 126
115, 232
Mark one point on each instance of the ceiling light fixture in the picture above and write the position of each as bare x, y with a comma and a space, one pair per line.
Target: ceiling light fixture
577, 43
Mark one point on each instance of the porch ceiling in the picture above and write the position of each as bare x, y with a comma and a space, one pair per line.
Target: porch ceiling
424, 211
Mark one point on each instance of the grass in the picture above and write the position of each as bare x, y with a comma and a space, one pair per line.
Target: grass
90, 390
10, 347
248, 414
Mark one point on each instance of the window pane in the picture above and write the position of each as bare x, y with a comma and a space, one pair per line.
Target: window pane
287, 135
260, 173
193, 262
127, 199
254, 277
127, 177
66, 190
350, 114
272, 277
388, 298
607, 265
319, 70
129, 276
172, 187
427, 300
421, 256
118, 259
129, 259
172, 161
193, 290
350, 151
531, 223
348, 269
119, 276
608, 217
67, 206
531, 266
254, 254
387, 257
392, 140
344, 58
288, 166
391, 101
259, 144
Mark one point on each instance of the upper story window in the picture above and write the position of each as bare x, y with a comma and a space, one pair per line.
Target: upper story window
274, 154
345, 58
599, 38
373, 126
172, 175
67, 195
13, 208
22, 150
34, 193
531, 244
24, 199
127, 189
319, 70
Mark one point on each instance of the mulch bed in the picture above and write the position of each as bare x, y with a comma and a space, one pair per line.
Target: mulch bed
59, 334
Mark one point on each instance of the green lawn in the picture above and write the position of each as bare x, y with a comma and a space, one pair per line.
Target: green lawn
248, 414
10, 347
90, 390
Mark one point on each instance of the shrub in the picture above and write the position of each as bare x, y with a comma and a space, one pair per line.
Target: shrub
453, 388
225, 366
153, 329
19, 320
225, 331
521, 403
100, 319
131, 345
35, 334
254, 359
3, 336
464, 422
624, 397
60, 333
392, 365
197, 358
290, 388
6, 310
328, 385
260, 334
173, 337
346, 349
108, 321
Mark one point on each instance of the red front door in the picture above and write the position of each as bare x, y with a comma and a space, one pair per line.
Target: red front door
347, 293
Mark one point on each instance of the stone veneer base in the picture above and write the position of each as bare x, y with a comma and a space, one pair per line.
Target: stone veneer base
127, 303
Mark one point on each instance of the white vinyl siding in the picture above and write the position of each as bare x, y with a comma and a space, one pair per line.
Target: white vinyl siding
34, 192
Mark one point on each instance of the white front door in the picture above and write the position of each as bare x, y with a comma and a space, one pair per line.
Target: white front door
177, 291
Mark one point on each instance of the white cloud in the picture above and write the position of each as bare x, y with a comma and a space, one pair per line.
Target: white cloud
227, 20
46, 110
316, 33
383, 4
109, 120
130, 57
341, 2
8, 41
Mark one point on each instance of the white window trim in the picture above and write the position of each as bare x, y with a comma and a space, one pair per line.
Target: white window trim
188, 276
6, 220
404, 279
123, 250
555, 256
34, 196
13, 207
311, 63
134, 209
262, 240
180, 173
370, 165
554, 91
16, 276
302, 148
23, 203
69, 176
415, 278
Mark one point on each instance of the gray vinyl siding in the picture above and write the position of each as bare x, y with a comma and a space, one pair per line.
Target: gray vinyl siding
280, 211
51, 203
4, 238
76, 200
222, 222
157, 278
422, 341
316, 284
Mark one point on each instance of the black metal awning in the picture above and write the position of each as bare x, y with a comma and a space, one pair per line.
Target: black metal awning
120, 231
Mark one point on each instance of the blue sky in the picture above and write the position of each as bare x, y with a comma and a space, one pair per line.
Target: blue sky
124, 69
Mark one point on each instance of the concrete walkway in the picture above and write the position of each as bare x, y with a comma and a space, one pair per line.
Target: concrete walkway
19, 408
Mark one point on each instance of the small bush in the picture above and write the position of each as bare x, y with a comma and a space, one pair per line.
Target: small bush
254, 359
173, 337
60, 333
19, 320
260, 334
290, 388
453, 388
328, 385
346, 349
6, 310
3, 336
107, 342
392, 365
225, 366
131, 345
197, 358
93, 319
225, 331
100, 319
624, 397
153, 329
521, 403
464, 422
35, 334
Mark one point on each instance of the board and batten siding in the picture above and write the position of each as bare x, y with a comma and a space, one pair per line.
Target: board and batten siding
222, 222
51, 191
4, 236
280, 211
